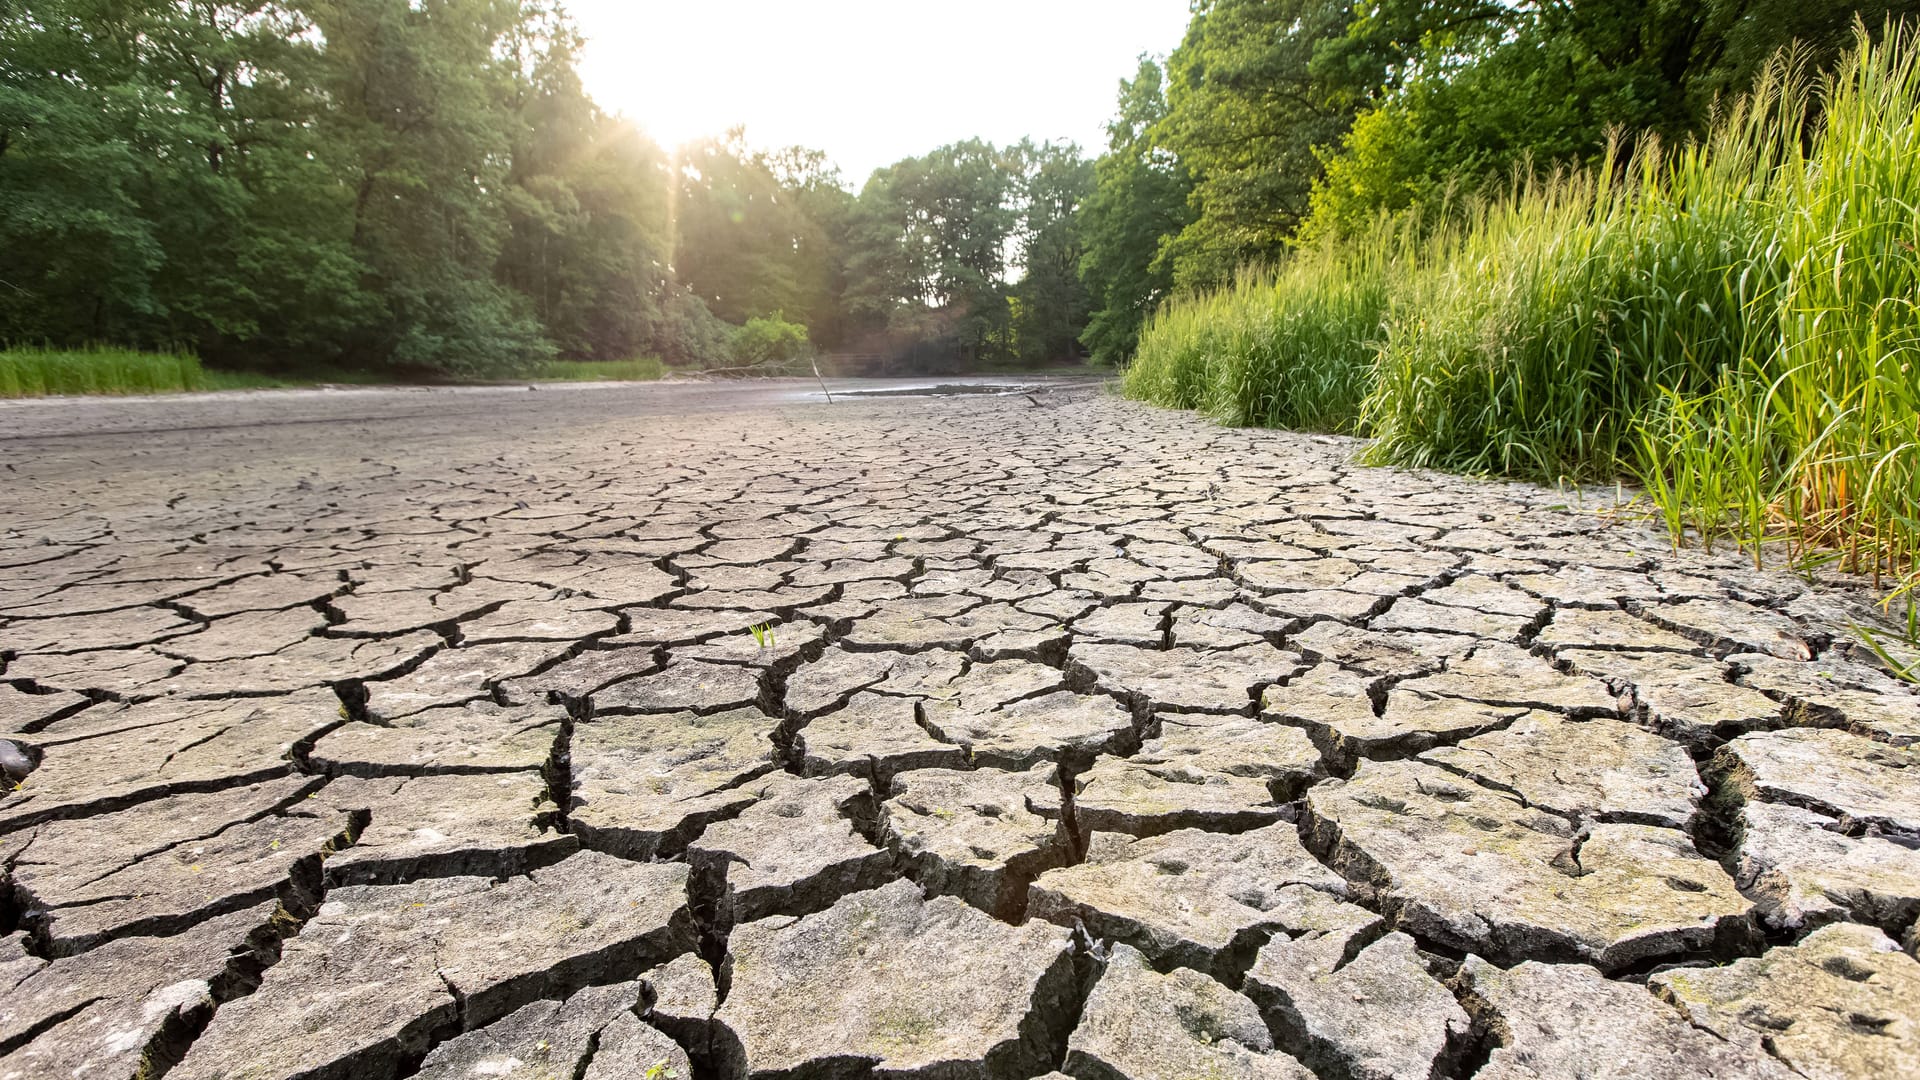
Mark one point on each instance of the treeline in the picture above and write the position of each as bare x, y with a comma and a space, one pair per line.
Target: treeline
1278, 122
424, 185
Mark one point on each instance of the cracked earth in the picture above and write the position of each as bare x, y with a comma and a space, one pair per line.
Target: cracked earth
718, 732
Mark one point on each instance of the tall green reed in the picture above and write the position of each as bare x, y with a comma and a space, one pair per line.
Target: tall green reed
1734, 322
34, 372
1828, 397
1291, 346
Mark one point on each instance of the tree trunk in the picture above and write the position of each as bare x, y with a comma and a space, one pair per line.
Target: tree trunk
218, 91
360, 201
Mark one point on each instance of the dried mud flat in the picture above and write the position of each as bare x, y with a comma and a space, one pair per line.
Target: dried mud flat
692, 732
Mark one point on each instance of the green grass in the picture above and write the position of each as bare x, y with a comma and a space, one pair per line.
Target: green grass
37, 372
1289, 347
1735, 324
641, 369
40, 372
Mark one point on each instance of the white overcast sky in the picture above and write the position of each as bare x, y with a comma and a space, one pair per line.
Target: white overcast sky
870, 81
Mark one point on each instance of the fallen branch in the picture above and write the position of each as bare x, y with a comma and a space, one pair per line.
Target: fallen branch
822, 378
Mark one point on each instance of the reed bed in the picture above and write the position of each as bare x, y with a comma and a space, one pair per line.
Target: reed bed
39, 372
1733, 324
642, 369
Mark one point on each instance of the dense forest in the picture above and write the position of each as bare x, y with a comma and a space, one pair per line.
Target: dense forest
425, 185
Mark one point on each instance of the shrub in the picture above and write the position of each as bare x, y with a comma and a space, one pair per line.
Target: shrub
771, 341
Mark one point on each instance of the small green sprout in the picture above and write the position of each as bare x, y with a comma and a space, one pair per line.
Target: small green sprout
762, 635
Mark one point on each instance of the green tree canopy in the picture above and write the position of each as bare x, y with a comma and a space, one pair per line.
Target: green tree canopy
1246, 109
1050, 303
1138, 202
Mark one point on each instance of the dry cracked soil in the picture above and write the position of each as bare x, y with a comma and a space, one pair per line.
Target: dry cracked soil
715, 732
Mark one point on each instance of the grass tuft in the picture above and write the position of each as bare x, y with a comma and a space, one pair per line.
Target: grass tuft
640, 369
1291, 347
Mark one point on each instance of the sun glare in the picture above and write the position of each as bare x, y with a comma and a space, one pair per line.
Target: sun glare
869, 82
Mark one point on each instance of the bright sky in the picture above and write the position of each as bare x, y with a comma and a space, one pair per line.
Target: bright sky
870, 81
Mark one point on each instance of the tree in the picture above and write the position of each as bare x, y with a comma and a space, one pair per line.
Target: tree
425, 184
736, 231
927, 255
158, 176
1138, 201
757, 231
1246, 108
812, 187
421, 143
587, 211
1050, 304
81, 254
1741, 35
304, 180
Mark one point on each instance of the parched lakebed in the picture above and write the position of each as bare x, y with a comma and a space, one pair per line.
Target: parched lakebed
719, 731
